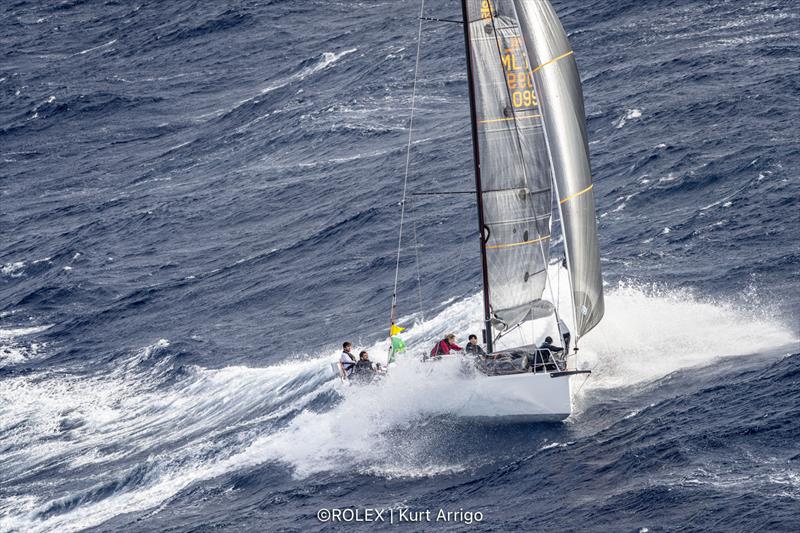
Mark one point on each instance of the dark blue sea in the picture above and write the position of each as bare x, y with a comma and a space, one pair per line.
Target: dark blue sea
199, 202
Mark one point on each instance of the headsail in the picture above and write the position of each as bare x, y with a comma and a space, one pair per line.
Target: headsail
555, 76
514, 175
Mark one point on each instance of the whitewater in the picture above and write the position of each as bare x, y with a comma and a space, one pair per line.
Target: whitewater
195, 424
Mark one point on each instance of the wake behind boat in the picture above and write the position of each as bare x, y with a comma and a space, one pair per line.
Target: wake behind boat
531, 160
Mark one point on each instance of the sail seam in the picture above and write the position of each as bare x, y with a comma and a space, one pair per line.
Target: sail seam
571, 196
487, 121
517, 189
534, 241
516, 220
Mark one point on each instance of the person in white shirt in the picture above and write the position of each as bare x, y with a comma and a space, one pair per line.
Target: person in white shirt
346, 361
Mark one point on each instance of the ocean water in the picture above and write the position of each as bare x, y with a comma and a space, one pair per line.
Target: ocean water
199, 203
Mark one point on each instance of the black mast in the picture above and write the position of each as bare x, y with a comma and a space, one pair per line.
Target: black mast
476, 158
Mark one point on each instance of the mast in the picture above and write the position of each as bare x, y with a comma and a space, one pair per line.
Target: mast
476, 159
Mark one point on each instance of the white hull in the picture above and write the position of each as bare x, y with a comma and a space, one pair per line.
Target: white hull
465, 392
518, 398
524, 397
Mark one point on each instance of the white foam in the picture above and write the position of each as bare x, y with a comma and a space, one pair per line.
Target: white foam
22, 331
648, 333
13, 269
645, 335
130, 408
361, 426
13, 350
766, 476
630, 114
556, 445
109, 43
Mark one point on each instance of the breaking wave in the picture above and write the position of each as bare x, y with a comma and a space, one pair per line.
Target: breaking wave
172, 425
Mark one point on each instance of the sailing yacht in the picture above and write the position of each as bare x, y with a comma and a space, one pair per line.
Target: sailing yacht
531, 158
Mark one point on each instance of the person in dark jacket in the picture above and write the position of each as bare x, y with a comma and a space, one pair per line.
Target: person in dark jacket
364, 371
545, 353
363, 362
548, 345
473, 347
445, 346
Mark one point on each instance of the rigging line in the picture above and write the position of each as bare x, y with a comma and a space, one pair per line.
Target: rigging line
591, 371
558, 285
408, 162
509, 330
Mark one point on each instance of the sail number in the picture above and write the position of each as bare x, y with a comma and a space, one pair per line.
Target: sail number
523, 99
487, 11
518, 75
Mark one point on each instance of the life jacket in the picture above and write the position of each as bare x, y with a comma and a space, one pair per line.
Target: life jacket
439, 350
363, 366
348, 366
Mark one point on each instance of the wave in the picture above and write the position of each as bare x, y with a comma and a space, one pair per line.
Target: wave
183, 423
326, 60
14, 351
646, 335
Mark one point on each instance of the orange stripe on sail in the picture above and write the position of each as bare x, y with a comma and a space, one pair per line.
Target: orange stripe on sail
571, 196
534, 241
562, 56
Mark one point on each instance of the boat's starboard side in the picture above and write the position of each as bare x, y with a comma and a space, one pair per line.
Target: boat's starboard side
524, 397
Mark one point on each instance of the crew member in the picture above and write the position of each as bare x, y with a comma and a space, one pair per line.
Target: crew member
548, 345
544, 355
364, 370
445, 346
473, 347
346, 361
